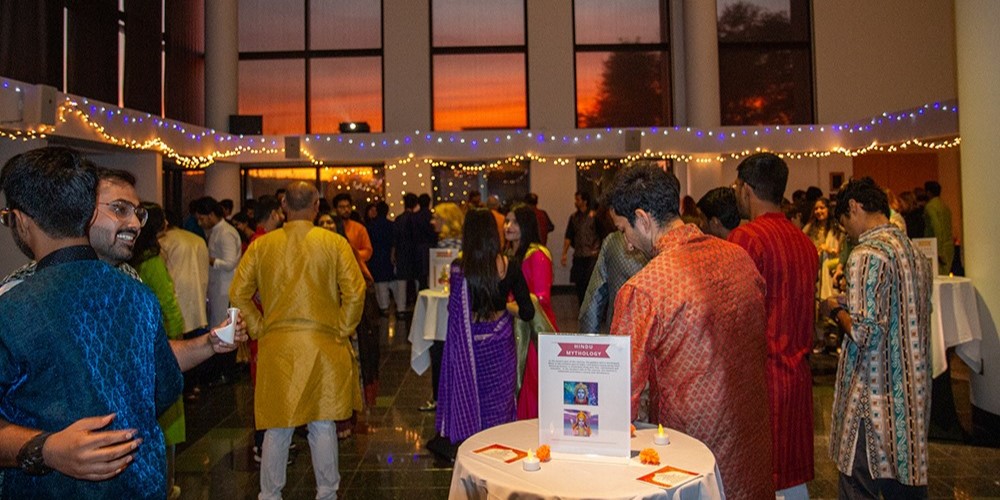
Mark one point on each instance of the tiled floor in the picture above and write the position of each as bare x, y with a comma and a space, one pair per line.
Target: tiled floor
386, 458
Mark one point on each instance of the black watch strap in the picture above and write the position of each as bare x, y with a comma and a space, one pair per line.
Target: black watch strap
30, 458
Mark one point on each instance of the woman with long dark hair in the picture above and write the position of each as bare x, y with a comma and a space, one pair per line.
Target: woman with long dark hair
152, 270
477, 387
526, 252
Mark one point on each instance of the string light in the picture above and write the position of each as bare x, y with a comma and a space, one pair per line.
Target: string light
886, 132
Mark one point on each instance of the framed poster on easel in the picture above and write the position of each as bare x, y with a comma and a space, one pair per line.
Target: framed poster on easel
584, 392
440, 267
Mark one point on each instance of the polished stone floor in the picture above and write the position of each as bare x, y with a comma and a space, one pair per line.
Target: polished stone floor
386, 459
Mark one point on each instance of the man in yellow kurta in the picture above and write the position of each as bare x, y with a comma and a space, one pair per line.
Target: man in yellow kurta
312, 294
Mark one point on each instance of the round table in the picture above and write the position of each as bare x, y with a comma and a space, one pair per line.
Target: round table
430, 323
477, 476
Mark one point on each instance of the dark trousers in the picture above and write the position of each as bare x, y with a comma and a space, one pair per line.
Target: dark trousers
437, 352
579, 275
368, 344
861, 485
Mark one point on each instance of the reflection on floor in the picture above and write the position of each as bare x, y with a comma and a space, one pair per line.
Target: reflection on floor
385, 458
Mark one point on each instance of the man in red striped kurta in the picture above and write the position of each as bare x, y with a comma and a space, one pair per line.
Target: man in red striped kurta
696, 317
787, 260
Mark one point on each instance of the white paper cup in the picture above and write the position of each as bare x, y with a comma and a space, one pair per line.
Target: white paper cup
227, 333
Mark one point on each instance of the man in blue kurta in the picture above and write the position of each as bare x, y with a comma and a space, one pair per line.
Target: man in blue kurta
78, 339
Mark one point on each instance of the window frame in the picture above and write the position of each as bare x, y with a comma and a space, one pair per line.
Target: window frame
307, 55
479, 50
662, 46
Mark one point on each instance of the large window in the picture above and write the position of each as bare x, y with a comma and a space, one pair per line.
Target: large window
479, 64
365, 183
308, 65
765, 62
622, 63
509, 182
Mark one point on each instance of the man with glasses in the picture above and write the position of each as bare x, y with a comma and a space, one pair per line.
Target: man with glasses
77, 339
118, 219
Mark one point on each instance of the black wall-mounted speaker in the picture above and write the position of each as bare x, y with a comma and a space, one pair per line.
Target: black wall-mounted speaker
246, 124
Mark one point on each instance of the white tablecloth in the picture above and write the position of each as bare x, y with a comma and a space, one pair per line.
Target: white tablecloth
430, 323
477, 476
955, 322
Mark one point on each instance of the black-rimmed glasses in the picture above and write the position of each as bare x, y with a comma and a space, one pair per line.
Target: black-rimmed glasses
123, 210
5, 215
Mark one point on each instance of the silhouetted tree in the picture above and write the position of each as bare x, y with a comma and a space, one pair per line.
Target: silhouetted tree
631, 92
757, 87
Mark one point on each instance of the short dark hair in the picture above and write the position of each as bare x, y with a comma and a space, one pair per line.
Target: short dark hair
531, 199
409, 200
865, 192
381, 208
647, 187
265, 206
585, 196
933, 188
341, 197
721, 204
227, 204
424, 200
55, 186
766, 174
116, 175
207, 205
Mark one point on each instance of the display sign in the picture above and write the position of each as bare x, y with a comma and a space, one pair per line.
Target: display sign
584, 387
928, 247
440, 267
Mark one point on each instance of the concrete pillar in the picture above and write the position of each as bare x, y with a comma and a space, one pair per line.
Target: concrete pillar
978, 67
222, 180
701, 61
221, 63
551, 102
407, 65
701, 91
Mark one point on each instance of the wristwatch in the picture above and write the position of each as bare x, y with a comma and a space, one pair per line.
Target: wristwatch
30, 458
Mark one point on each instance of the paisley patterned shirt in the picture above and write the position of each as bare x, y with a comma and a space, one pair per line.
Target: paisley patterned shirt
884, 374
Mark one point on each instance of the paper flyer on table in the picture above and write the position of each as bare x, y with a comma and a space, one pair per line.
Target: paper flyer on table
440, 267
668, 477
502, 453
584, 405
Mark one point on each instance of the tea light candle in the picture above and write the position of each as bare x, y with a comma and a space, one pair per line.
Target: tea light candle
530, 462
660, 438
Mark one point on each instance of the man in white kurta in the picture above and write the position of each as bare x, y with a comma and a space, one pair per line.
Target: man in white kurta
186, 257
223, 254
312, 294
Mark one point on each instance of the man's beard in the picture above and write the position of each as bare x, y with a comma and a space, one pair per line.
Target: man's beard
21, 245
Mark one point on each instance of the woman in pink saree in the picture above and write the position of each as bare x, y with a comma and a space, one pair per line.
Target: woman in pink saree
526, 251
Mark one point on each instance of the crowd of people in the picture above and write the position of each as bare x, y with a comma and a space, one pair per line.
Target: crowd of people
721, 298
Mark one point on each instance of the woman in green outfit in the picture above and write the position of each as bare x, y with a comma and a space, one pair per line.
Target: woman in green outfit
152, 270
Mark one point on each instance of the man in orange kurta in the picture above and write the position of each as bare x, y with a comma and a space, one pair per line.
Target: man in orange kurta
696, 317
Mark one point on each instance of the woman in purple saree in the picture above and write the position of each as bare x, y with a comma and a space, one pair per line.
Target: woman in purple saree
479, 365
